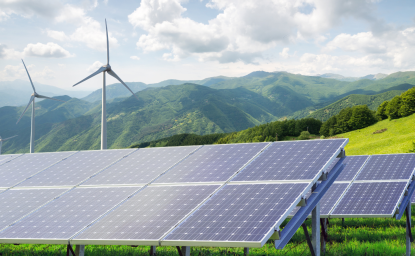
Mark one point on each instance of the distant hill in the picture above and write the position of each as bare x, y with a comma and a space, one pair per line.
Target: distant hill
17, 92
352, 79
116, 90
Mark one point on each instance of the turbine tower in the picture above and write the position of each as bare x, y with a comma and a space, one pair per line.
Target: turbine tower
32, 101
1, 141
106, 68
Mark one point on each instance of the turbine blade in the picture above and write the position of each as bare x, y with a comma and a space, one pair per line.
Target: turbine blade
101, 69
10, 138
34, 90
44, 97
30, 101
112, 73
108, 44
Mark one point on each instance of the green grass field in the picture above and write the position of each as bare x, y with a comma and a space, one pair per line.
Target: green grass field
397, 138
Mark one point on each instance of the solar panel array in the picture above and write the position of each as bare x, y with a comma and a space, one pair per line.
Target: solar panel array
160, 195
369, 186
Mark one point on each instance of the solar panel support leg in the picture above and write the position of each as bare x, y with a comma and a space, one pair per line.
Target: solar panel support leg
315, 229
186, 250
323, 224
409, 238
343, 222
69, 249
80, 250
179, 251
153, 250
246, 251
307, 237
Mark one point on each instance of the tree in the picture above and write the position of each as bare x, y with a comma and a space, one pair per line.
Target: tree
361, 117
392, 109
305, 135
407, 102
343, 118
327, 126
381, 111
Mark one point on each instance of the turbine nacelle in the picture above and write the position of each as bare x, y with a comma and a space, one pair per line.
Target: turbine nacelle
107, 67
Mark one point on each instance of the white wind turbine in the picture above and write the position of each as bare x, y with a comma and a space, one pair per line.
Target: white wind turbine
32, 101
1, 141
103, 69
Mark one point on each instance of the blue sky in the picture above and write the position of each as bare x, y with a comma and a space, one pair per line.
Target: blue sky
63, 41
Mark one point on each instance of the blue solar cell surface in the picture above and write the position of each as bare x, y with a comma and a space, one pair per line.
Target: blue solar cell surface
76, 168
212, 163
388, 167
375, 198
299, 160
142, 166
16, 203
352, 165
149, 214
245, 212
330, 198
27, 165
6, 158
68, 214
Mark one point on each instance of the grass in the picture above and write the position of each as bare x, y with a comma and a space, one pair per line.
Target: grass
377, 236
397, 138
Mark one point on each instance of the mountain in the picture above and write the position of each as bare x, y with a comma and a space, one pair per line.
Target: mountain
352, 79
116, 90
17, 92
159, 113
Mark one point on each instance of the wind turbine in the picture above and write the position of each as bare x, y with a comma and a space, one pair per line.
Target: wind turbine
1, 141
32, 101
106, 68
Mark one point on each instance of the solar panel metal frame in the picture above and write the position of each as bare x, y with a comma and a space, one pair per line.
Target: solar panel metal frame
60, 240
11, 158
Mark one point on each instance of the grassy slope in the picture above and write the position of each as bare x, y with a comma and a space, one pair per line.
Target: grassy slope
397, 139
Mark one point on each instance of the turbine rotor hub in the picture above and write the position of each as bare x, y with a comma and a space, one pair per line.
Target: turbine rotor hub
108, 67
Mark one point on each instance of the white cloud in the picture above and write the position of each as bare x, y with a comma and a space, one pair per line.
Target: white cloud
11, 72
7, 53
89, 31
243, 29
95, 66
284, 53
135, 58
57, 35
49, 50
29, 8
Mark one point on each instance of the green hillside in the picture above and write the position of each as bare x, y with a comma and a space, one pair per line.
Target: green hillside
397, 138
115, 91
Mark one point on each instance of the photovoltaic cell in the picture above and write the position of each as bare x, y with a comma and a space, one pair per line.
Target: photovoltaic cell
212, 163
68, 214
142, 166
352, 165
377, 198
245, 212
299, 160
27, 165
16, 203
149, 214
328, 201
6, 158
76, 168
388, 167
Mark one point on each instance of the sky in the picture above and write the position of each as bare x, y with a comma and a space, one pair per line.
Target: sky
63, 41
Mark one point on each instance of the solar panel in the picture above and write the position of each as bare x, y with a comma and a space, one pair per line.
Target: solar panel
76, 168
375, 199
328, 201
388, 167
299, 160
239, 213
142, 166
148, 215
16, 203
6, 158
212, 163
66, 215
352, 165
27, 165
